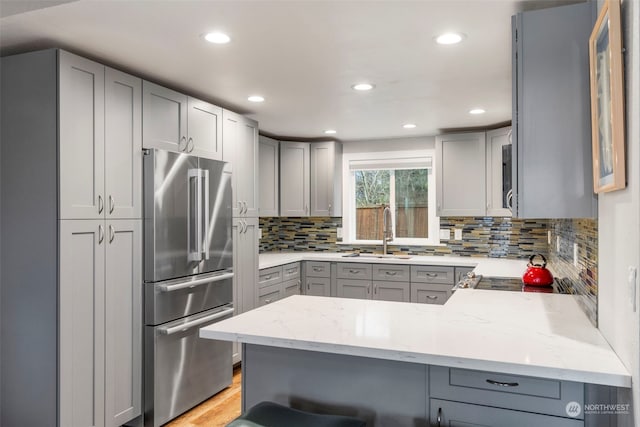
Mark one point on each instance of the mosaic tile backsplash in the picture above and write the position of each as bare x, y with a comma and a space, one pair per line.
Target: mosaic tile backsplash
581, 279
481, 236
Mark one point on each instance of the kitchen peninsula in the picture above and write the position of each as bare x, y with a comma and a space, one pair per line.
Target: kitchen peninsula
508, 354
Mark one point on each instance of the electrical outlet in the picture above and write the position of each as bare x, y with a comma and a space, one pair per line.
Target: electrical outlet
549, 237
575, 254
457, 234
632, 282
339, 232
445, 234
259, 233
557, 243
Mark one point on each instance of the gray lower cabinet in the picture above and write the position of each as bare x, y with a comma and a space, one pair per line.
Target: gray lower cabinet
431, 284
317, 278
391, 291
496, 399
278, 282
245, 269
353, 288
458, 414
100, 322
425, 293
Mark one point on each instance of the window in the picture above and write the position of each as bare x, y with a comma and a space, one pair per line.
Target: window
405, 184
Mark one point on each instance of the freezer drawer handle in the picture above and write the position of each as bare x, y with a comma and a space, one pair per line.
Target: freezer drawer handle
194, 283
189, 325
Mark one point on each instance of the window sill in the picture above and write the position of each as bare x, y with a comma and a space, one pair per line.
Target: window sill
379, 243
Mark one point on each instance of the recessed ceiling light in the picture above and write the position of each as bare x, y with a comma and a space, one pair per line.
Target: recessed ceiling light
256, 98
449, 38
330, 131
409, 126
362, 86
217, 38
477, 111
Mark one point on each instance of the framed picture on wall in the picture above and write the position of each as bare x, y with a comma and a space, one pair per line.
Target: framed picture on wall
607, 100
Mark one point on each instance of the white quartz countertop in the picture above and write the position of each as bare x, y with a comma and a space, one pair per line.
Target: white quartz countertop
494, 267
533, 334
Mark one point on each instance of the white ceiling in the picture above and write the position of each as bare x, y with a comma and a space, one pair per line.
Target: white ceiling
302, 56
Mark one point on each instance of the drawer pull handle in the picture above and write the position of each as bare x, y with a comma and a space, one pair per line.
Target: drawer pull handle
291, 270
267, 301
502, 384
431, 274
432, 297
439, 419
317, 269
267, 277
391, 273
354, 271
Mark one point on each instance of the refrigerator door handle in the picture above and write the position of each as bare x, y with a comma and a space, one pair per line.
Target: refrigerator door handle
194, 215
205, 215
189, 325
194, 283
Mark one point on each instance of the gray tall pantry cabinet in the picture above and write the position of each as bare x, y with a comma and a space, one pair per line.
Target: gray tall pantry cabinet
71, 246
240, 148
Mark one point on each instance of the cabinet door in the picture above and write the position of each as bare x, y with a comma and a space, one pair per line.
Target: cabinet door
164, 118
269, 177
447, 413
81, 323
552, 159
123, 325
323, 158
391, 291
294, 179
460, 165
204, 137
318, 286
123, 145
497, 195
349, 288
291, 287
240, 148
81, 142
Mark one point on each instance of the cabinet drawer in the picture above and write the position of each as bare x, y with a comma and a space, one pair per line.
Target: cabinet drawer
318, 269
425, 294
432, 274
446, 413
352, 270
269, 276
291, 271
290, 287
508, 391
392, 273
269, 294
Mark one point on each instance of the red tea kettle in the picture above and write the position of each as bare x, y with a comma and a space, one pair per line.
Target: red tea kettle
537, 274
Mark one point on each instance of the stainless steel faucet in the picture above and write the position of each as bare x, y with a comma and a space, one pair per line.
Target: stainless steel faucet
387, 228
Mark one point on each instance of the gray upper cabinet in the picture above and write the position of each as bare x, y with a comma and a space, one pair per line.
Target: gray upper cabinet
326, 179
176, 122
552, 172
240, 148
498, 196
269, 177
294, 178
82, 133
460, 168
100, 141
123, 145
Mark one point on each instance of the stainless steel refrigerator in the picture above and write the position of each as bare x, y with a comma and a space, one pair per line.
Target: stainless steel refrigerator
188, 281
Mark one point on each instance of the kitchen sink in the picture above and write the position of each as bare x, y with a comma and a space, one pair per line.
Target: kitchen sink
389, 256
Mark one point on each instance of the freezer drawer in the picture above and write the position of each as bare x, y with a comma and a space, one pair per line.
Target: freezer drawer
173, 299
182, 369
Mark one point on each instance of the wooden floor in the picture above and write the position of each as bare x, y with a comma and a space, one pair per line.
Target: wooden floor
215, 412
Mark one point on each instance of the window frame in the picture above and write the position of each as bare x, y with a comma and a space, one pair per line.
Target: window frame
349, 197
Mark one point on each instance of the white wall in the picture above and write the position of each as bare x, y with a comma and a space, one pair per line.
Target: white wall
396, 144
619, 228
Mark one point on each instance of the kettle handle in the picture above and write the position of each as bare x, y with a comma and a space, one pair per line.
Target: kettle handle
532, 257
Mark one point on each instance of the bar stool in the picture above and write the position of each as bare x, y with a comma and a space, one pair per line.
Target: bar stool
269, 414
